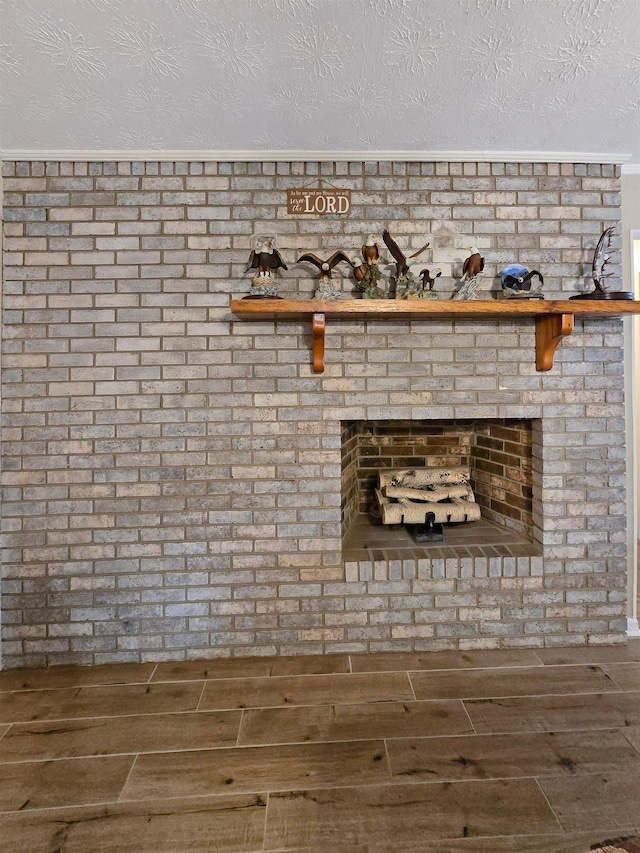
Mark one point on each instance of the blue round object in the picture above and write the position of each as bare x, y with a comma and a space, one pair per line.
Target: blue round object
511, 272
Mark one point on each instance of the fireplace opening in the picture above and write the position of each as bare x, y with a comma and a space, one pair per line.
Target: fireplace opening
497, 453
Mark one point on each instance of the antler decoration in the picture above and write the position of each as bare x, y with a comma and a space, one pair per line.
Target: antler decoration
602, 255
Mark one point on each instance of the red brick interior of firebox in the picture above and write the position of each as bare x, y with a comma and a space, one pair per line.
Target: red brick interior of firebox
498, 454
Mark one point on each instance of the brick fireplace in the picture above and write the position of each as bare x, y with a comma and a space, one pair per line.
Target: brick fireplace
173, 474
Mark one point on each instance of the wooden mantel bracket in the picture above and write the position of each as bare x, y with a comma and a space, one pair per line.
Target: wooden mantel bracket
318, 327
550, 330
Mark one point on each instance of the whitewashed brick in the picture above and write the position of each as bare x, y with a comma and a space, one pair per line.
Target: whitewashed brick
162, 408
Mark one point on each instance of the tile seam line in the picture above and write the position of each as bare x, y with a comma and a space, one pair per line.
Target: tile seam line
49, 759
389, 783
373, 741
512, 668
125, 802
201, 696
467, 735
555, 836
126, 781
471, 723
277, 745
25, 690
617, 692
548, 802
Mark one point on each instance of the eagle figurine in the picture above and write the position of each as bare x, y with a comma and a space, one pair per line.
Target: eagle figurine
517, 278
359, 269
473, 265
402, 267
327, 266
366, 271
428, 279
370, 251
265, 259
402, 264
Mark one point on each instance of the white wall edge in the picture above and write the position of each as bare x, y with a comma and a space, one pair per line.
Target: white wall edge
1, 300
633, 628
631, 436
309, 156
631, 169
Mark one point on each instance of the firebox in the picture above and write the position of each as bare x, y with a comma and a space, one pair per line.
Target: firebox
497, 453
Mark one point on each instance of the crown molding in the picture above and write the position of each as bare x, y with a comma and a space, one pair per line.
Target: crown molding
154, 155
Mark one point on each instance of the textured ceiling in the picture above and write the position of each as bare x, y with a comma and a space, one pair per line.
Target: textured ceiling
477, 77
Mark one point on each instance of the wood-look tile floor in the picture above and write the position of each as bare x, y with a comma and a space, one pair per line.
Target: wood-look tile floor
444, 752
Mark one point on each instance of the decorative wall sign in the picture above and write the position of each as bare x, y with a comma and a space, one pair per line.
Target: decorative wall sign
318, 201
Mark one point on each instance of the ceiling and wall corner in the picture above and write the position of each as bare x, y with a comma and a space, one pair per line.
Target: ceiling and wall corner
548, 80
630, 186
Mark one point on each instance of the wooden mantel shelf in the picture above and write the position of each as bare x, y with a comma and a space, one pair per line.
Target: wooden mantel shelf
554, 318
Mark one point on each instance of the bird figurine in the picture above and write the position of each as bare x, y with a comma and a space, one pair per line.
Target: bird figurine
402, 264
403, 285
265, 258
359, 269
428, 278
327, 266
516, 282
402, 267
370, 251
325, 288
366, 272
473, 265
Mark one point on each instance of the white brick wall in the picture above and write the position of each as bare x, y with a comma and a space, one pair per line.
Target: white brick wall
172, 474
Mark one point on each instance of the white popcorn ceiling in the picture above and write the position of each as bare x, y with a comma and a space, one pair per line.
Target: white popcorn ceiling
350, 76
